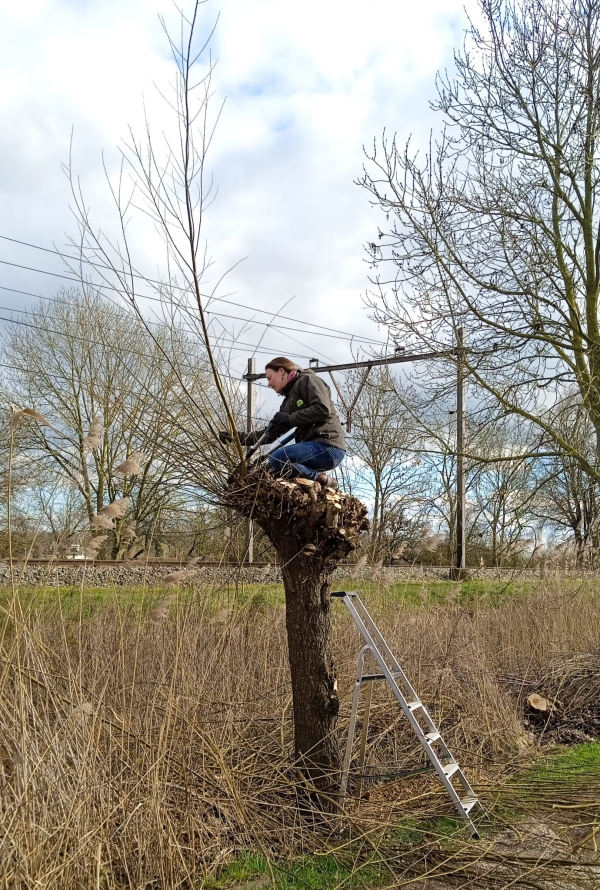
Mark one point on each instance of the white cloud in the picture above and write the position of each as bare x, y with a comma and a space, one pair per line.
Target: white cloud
307, 86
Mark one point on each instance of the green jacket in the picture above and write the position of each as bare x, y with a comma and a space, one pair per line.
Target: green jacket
307, 399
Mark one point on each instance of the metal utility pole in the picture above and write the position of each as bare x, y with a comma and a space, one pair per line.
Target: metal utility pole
460, 452
250, 412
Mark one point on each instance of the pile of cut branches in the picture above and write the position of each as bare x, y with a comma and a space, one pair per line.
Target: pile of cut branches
561, 699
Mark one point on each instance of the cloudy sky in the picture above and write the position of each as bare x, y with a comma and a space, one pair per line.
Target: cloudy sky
306, 87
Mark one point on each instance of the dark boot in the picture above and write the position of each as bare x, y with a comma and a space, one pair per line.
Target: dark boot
327, 481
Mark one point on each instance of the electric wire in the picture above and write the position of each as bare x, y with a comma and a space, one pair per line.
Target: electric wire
98, 343
332, 331
178, 287
255, 349
107, 287
219, 338
26, 293
59, 377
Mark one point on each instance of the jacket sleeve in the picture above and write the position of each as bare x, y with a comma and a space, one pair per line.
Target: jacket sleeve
318, 408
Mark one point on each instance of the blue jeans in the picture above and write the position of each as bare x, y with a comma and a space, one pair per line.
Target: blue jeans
305, 459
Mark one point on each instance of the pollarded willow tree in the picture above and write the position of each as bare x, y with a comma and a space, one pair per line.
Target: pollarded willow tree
310, 528
497, 229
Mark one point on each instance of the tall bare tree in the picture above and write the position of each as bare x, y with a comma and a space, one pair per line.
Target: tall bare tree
84, 360
497, 228
382, 447
568, 497
311, 530
503, 494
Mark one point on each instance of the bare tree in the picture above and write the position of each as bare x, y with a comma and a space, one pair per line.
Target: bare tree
22, 474
310, 529
497, 229
503, 494
569, 498
74, 363
384, 467
438, 464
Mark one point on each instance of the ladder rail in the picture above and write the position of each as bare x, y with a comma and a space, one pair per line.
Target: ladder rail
391, 680
360, 614
352, 726
428, 737
370, 664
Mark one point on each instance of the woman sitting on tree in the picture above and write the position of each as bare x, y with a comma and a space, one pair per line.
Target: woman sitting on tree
308, 409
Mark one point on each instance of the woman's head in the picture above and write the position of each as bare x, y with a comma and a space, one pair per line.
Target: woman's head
278, 371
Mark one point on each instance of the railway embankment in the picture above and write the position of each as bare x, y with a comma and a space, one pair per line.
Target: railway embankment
104, 573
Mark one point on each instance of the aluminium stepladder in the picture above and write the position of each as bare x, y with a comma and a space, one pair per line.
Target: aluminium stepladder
377, 652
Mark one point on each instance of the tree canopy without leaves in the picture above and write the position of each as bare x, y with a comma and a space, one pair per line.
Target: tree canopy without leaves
497, 229
166, 178
91, 365
384, 467
568, 498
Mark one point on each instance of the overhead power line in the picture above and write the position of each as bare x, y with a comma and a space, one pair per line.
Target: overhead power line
254, 347
331, 331
269, 324
96, 343
218, 337
25, 293
58, 377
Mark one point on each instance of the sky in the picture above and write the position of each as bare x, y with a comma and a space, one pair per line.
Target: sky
306, 87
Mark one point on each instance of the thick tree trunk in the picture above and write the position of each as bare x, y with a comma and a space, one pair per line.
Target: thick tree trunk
314, 684
311, 529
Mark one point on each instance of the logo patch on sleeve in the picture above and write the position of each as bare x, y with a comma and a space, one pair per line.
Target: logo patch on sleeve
299, 403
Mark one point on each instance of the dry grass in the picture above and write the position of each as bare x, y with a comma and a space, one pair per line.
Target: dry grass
146, 749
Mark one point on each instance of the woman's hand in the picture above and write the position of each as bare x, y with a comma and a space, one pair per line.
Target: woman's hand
280, 423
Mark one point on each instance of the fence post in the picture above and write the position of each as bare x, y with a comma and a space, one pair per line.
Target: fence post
250, 412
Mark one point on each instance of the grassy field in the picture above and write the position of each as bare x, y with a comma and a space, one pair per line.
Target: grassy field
415, 593
145, 739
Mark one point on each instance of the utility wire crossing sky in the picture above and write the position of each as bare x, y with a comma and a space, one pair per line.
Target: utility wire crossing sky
305, 88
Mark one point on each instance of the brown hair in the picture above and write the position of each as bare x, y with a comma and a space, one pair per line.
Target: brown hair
280, 362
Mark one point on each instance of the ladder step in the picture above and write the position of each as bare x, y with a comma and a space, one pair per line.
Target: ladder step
441, 759
367, 677
467, 803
